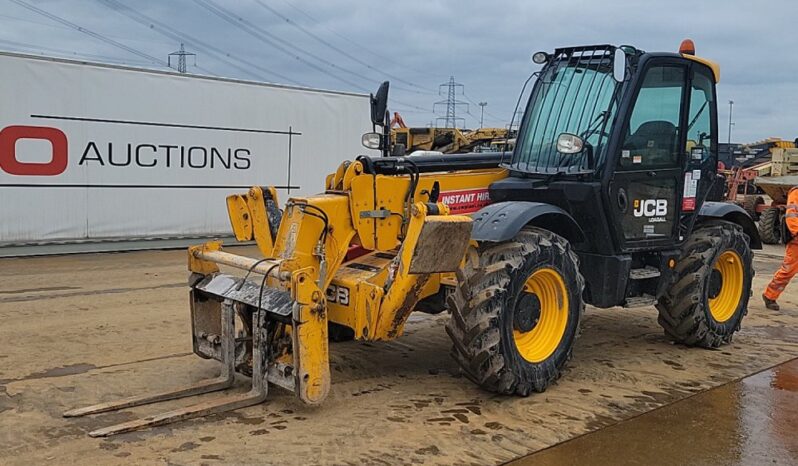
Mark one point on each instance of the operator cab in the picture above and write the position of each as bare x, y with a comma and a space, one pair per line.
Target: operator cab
623, 140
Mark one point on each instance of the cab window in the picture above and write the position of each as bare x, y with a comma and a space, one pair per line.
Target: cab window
653, 135
699, 128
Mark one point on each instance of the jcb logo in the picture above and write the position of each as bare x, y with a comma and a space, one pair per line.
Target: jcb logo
9, 162
338, 294
651, 207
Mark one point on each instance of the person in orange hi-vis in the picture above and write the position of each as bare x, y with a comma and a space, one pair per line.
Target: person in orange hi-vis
789, 267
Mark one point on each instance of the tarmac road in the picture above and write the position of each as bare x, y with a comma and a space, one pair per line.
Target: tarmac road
77, 330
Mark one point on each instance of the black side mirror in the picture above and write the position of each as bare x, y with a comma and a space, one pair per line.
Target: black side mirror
379, 104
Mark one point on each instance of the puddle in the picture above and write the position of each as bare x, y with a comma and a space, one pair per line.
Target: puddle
750, 421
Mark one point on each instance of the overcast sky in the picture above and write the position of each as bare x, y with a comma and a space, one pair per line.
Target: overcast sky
418, 44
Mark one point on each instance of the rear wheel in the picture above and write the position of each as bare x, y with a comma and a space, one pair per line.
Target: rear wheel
708, 297
750, 204
770, 225
516, 312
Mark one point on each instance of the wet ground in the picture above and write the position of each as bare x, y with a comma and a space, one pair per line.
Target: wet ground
753, 421
77, 330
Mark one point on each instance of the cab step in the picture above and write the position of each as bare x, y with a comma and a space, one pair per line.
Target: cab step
640, 301
644, 273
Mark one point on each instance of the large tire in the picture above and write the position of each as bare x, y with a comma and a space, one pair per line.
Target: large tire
711, 284
770, 226
750, 203
496, 302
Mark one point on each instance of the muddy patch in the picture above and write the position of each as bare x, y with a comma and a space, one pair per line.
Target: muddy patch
72, 369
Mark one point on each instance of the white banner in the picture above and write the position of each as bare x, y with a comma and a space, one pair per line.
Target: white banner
104, 152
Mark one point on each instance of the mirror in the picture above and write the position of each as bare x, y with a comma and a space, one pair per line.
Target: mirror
371, 140
568, 143
619, 65
379, 103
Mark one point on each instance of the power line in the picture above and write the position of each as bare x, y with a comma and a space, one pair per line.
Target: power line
270, 39
474, 117
69, 53
205, 47
90, 33
60, 27
486, 112
151, 24
352, 42
32, 21
339, 50
200, 45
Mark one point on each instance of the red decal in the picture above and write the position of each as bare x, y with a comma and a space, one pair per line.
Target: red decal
465, 201
8, 151
688, 203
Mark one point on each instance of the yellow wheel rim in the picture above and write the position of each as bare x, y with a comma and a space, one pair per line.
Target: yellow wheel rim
723, 305
542, 340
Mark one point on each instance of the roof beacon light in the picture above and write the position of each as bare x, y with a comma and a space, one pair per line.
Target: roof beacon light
687, 47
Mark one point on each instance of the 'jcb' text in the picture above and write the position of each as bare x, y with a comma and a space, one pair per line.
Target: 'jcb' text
654, 209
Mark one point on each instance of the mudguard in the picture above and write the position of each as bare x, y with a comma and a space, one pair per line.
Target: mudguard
503, 220
731, 213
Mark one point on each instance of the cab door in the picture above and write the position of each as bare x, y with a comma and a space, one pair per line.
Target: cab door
646, 188
701, 155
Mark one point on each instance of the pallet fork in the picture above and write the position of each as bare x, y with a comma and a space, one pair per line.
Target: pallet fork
256, 395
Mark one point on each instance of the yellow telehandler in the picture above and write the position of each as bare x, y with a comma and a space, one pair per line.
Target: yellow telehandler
603, 200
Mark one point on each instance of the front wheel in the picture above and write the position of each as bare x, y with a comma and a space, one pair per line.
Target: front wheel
708, 297
516, 312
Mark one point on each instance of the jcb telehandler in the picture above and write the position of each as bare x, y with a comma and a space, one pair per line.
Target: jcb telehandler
602, 201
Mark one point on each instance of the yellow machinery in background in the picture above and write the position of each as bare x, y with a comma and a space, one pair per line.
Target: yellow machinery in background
448, 140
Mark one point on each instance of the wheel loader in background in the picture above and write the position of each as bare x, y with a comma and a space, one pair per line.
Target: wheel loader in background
602, 201
448, 140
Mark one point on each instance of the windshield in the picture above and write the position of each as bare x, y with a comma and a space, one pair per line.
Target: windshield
576, 93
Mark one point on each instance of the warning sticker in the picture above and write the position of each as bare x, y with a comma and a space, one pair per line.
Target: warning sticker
697, 153
690, 188
465, 201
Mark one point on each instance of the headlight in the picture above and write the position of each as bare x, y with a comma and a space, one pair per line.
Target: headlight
540, 57
371, 140
568, 143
